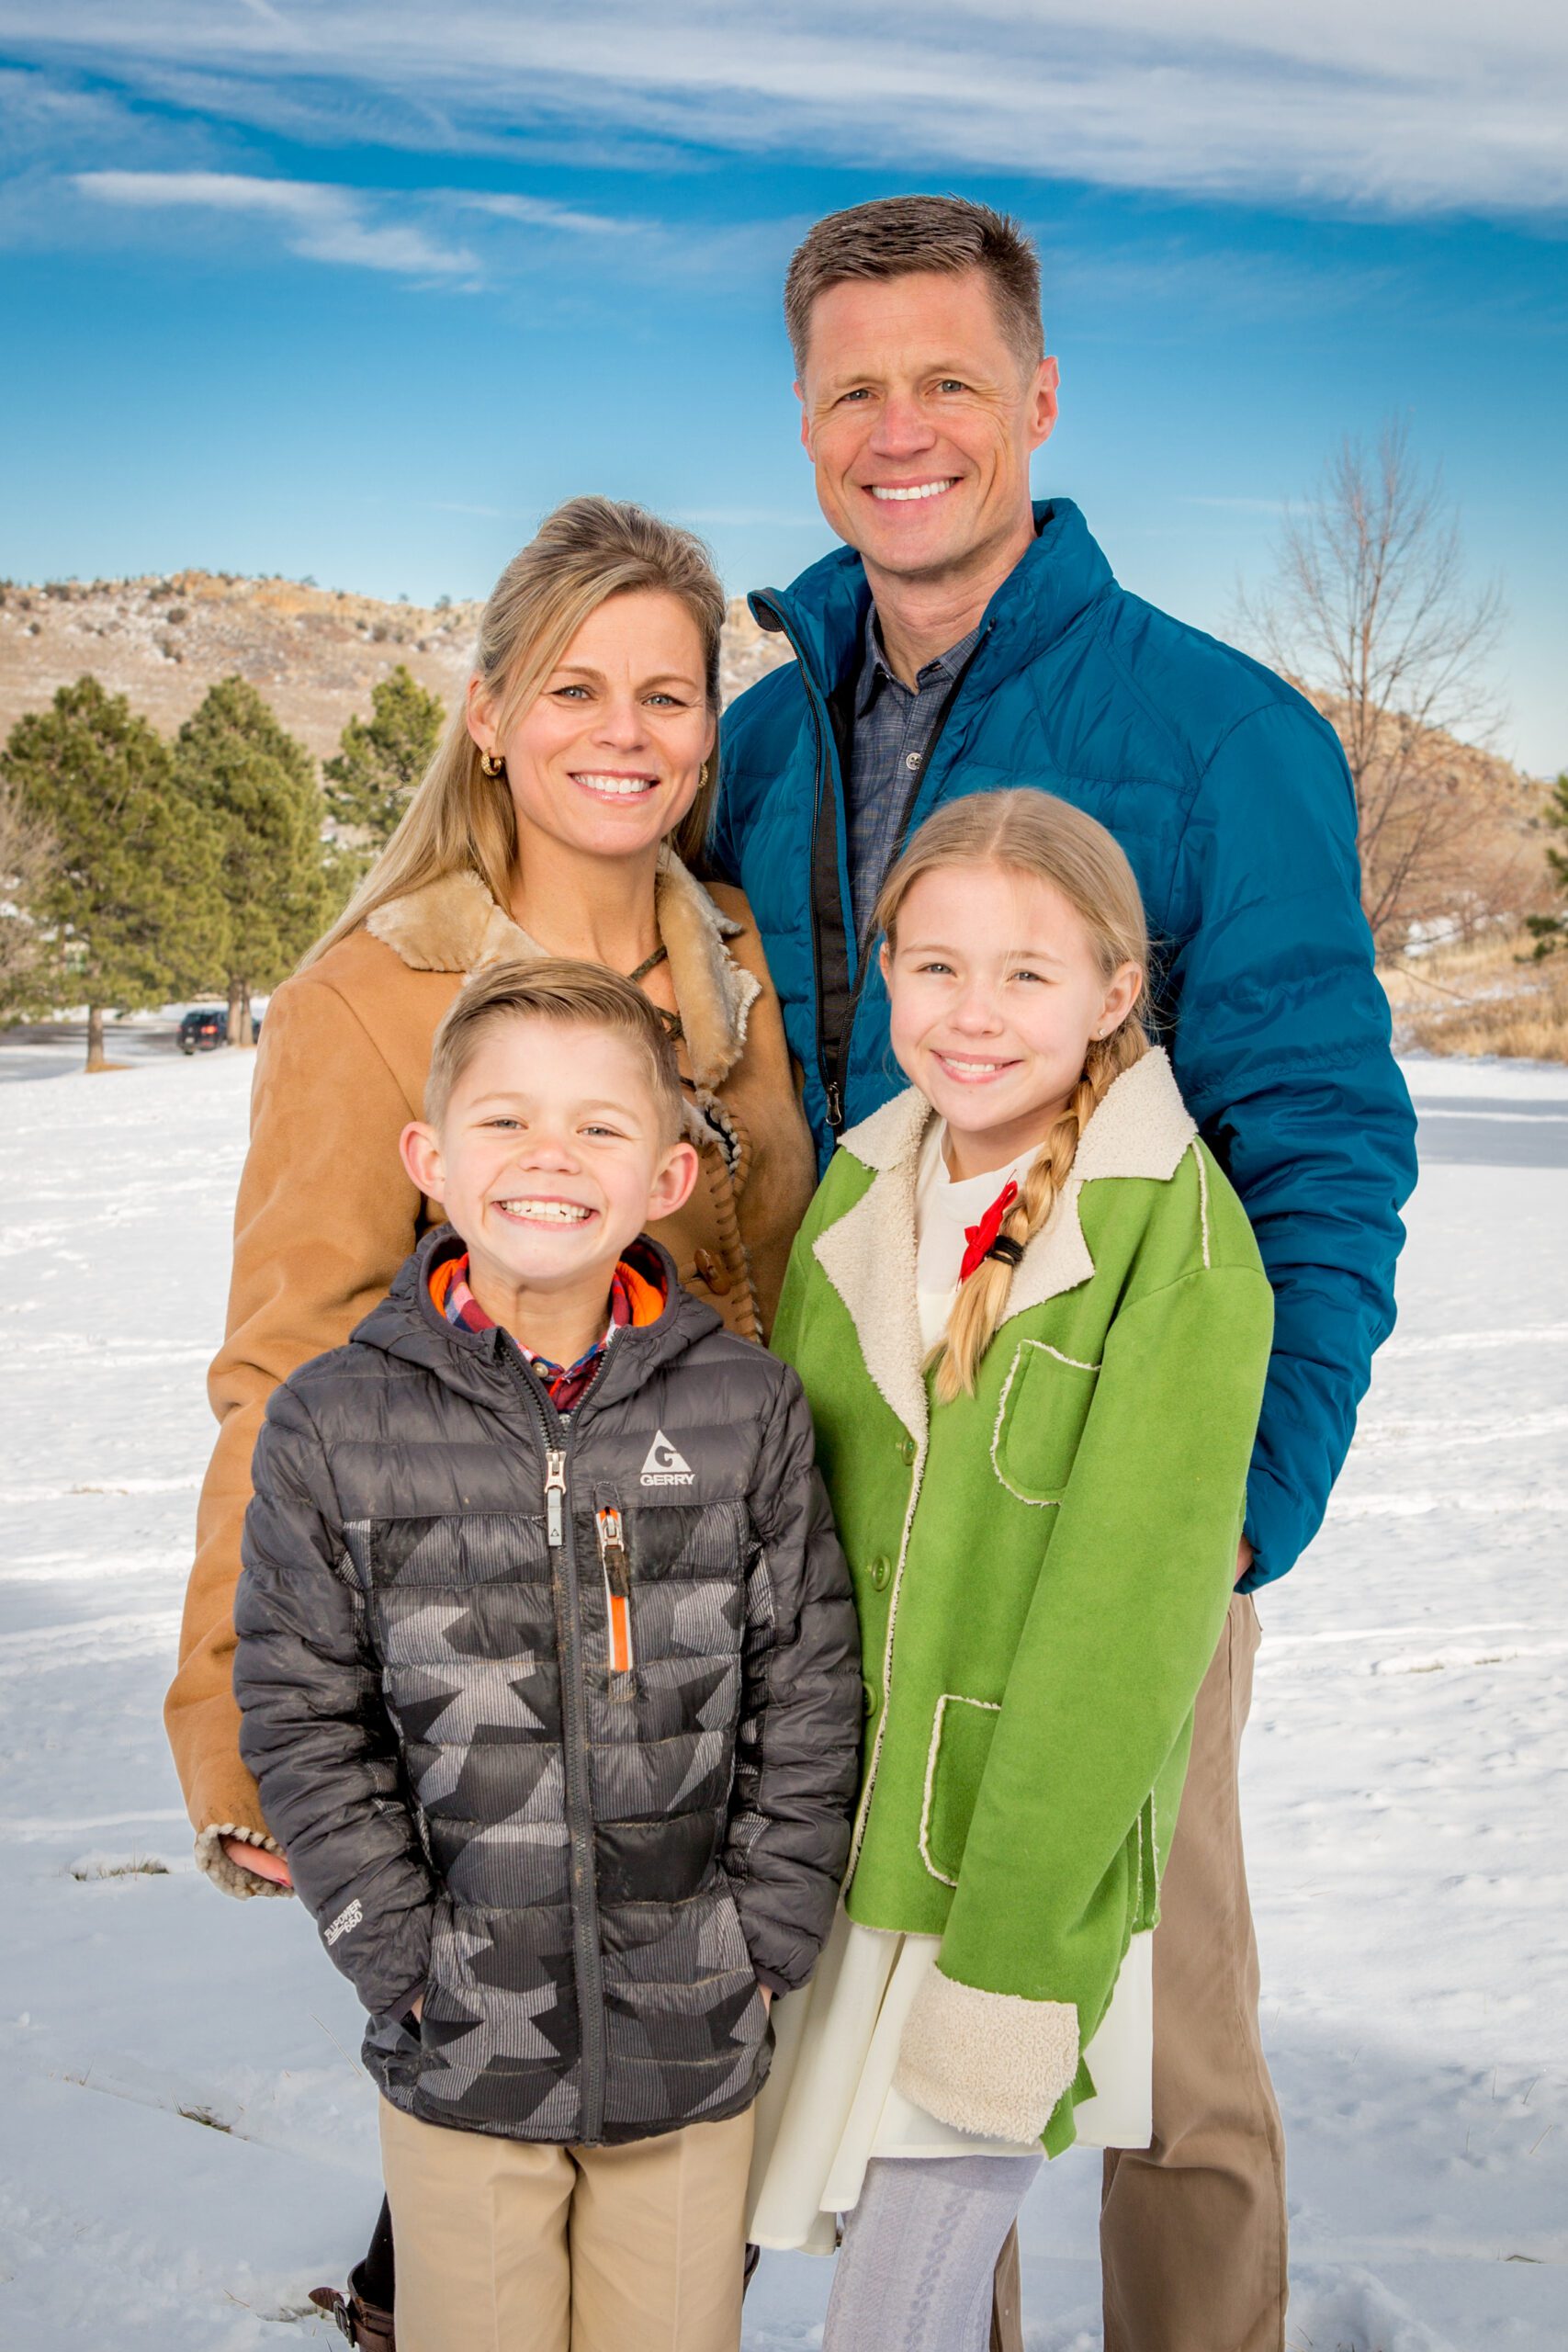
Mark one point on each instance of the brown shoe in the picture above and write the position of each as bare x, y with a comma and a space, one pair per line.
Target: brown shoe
364, 2323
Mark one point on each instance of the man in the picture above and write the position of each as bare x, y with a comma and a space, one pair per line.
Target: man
964, 638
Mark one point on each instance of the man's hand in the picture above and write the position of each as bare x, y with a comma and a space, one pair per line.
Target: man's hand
1243, 1560
259, 1860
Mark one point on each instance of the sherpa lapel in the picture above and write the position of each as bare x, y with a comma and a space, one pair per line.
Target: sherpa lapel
1141, 1129
453, 925
868, 1255
715, 993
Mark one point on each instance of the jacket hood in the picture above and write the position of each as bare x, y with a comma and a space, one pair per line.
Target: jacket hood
823, 612
453, 925
408, 1326
1140, 1128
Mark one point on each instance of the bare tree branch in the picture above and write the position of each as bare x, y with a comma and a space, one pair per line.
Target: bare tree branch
1370, 609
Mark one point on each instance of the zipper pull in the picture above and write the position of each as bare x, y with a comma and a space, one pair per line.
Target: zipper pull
835, 1106
555, 1489
617, 1589
612, 1547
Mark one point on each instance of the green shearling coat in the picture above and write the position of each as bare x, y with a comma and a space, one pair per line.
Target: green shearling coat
1041, 1573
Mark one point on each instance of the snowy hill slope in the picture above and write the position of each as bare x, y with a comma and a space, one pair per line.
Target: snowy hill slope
186, 2143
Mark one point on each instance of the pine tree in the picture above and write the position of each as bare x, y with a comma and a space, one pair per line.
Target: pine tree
236, 765
369, 780
1551, 930
28, 861
130, 910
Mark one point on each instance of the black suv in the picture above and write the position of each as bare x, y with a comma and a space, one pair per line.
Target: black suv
200, 1032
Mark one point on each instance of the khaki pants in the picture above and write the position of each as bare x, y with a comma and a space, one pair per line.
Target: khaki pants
1193, 2229
517, 2245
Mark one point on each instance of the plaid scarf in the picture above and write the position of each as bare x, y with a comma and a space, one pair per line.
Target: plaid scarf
637, 1296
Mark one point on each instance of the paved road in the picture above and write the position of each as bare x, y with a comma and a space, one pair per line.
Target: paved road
1493, 1132
55, 1048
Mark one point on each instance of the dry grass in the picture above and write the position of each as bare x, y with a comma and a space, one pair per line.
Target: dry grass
1488, 997
101, 1866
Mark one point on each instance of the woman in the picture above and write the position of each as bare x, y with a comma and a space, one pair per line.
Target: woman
554, 818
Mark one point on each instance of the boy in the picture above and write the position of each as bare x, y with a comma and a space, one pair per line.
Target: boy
548, 1674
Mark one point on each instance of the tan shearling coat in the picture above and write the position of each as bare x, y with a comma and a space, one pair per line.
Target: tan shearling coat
326, 1215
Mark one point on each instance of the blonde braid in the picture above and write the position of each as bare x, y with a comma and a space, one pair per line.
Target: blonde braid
981, 1303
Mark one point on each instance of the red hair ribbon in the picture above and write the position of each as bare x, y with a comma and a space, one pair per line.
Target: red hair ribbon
980, 1236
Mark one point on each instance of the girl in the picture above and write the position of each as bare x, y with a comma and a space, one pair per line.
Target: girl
556, 818
1034, 1327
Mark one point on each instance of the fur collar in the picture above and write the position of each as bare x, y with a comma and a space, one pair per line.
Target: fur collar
453, 925
1141, 1128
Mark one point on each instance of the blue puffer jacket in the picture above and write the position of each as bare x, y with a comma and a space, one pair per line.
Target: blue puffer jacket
1231, 796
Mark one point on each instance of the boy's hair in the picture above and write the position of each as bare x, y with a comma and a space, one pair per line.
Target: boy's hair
898, 235
1031, 832
559, 989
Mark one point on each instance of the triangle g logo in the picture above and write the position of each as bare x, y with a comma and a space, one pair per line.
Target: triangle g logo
665, 1466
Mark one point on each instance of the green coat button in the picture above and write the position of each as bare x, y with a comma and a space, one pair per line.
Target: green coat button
907, 1448
880, 1572
868, 1692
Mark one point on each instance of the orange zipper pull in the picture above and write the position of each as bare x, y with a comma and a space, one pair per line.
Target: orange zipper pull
617, 1589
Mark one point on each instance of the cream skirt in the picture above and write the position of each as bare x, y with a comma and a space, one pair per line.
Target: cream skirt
830, 2103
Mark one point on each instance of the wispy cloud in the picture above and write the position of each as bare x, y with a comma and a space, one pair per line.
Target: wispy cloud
535, 212
1410, 106
318, 221
442, 235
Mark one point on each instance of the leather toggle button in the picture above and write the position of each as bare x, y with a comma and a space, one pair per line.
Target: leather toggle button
713, 1273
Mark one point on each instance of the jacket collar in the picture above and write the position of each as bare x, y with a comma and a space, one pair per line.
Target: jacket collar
824, 612
408, 1324
453, 925
1140, 1129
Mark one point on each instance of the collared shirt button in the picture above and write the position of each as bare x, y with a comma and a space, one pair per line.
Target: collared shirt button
912, 759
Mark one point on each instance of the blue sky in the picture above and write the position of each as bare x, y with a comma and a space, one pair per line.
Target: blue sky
357, 290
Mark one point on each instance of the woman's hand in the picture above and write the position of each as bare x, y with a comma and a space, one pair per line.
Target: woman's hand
259, 1860
767, 1993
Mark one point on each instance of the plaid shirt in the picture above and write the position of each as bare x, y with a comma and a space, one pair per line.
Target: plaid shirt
636, 1295
892, 735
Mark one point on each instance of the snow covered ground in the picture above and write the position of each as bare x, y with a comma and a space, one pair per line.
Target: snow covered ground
187, 2142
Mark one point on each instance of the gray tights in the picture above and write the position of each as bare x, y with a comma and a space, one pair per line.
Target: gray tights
914, 2274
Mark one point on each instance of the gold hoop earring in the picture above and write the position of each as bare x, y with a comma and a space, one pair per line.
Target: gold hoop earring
492, 764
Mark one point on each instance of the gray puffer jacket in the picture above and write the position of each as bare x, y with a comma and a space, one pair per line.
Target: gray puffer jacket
556, 1721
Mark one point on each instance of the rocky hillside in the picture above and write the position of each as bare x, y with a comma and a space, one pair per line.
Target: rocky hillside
314, 652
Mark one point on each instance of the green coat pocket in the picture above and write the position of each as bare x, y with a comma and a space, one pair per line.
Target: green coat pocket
1045, 1403
961, 1741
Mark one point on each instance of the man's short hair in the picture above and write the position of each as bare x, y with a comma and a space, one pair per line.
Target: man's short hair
559, 989
898, 235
